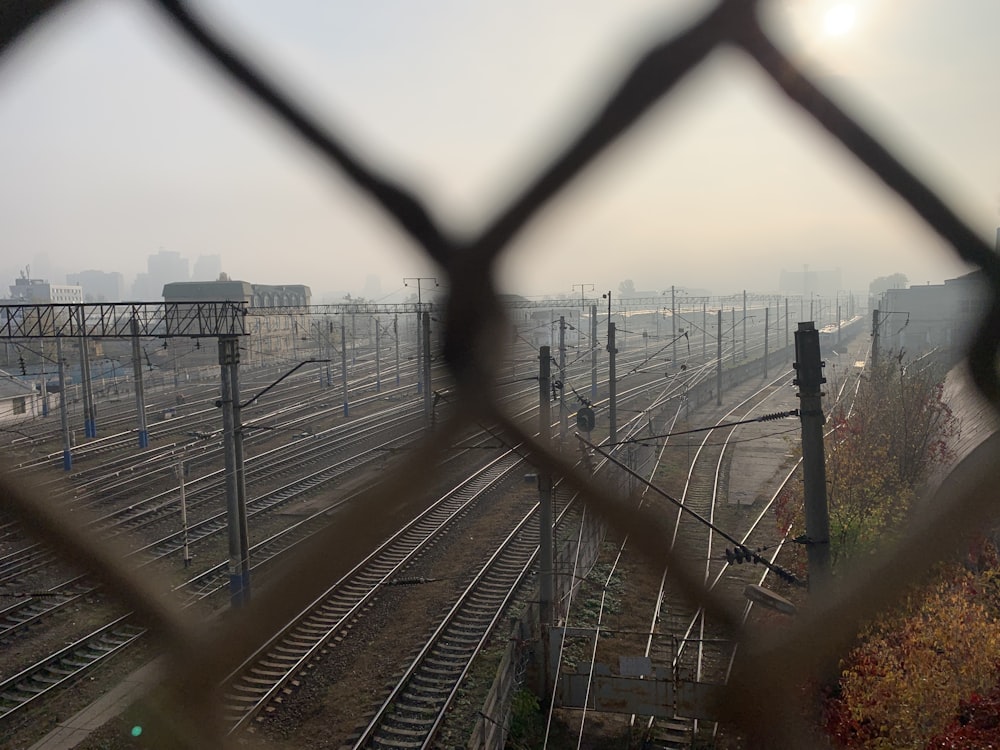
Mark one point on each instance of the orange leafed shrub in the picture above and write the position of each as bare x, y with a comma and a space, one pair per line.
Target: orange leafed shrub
905, 681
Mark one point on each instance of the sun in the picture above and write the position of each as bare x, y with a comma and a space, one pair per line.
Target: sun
839, 19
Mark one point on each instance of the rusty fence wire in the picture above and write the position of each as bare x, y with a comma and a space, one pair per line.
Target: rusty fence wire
763, 696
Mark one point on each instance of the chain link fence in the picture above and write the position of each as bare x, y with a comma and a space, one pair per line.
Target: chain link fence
763, 698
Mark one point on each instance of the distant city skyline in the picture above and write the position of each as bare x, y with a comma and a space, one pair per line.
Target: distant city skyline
724, 186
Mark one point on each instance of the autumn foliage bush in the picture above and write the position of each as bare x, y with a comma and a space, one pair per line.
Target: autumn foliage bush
975, 727
925, 673
905, 680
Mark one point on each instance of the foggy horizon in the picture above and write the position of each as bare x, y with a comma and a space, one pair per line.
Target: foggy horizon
720, 188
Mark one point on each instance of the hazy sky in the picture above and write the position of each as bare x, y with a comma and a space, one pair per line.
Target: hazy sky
116, 141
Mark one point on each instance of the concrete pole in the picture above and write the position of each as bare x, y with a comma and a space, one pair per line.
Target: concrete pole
612, 388
563, 426
593, 352
809, 367
140, 398
63, 408
545, 541
343, 366
718, 365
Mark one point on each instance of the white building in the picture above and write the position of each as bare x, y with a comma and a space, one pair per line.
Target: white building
18, 401
37, 291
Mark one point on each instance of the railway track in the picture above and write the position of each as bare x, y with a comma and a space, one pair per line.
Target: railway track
65, 666
638, 390
264, 675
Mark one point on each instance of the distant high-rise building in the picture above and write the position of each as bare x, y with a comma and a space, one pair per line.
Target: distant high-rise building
809, 283
143, 289
207, 268
168, 265
373, 287
163, 267
99, 286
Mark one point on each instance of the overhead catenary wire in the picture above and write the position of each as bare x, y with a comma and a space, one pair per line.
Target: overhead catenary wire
697, 516
763, 418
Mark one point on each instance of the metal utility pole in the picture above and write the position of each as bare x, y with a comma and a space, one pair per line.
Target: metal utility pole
45, 385
767, 330
612, 389
63, 408
704, 331
744, 324
140, 399
875, 327
184, 518
673, 327
241, 477
593, 351
420, 300
239, 554
428, 402
395, 335
546, 563
319, 353
89, 410
734, 335
562, 378
786, 322
343, 366
810, 378
329, 352
354, 339
583, 287
612, 386
718, 365
624, 315
378, 360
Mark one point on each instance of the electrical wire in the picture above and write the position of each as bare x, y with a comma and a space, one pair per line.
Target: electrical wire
762, 418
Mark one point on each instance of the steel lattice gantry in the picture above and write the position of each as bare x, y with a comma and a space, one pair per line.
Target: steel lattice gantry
123, 320
223, 320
